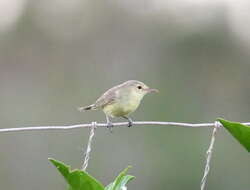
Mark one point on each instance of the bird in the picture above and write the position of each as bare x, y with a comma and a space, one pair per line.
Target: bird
120, 101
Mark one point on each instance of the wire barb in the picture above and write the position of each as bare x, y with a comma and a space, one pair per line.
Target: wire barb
209, 155
88, 150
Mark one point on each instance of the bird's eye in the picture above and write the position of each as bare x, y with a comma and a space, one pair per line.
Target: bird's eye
139, 87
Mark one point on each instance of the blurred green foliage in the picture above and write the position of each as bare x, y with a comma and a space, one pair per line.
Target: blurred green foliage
80, 180
239, 131
121, 181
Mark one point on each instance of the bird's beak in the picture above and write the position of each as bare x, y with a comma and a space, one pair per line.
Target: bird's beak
149, 90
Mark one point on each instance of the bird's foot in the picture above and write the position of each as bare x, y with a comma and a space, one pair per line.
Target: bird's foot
130, 122
110, 126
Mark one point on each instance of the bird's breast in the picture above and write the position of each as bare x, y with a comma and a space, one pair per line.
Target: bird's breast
121, 107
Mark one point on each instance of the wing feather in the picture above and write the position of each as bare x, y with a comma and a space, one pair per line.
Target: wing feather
109, 97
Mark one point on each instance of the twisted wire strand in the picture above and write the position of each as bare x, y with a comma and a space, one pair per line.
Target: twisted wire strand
88, 150
217, 125
120, 124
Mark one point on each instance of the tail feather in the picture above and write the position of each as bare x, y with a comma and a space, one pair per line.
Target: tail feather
90, 107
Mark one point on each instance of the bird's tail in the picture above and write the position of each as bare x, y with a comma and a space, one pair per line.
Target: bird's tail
90, 107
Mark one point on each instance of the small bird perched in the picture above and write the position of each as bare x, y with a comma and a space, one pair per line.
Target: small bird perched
121, 100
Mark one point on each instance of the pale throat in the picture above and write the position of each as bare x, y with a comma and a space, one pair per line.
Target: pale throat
132, 98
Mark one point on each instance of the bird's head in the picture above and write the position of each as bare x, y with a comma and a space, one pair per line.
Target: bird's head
138, 88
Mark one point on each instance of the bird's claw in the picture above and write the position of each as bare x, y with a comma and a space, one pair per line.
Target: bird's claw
110, 126
130, 122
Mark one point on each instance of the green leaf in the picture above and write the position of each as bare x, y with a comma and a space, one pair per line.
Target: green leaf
239, 131
121, 180
77, 179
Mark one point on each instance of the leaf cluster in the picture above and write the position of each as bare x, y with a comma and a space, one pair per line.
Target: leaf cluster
81, 180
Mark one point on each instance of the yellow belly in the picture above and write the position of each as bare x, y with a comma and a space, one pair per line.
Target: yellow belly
119, 109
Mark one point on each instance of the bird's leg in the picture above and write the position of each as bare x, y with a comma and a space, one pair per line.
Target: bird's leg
109, 124
130, 121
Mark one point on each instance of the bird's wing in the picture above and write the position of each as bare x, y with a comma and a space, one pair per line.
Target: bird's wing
107, 98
